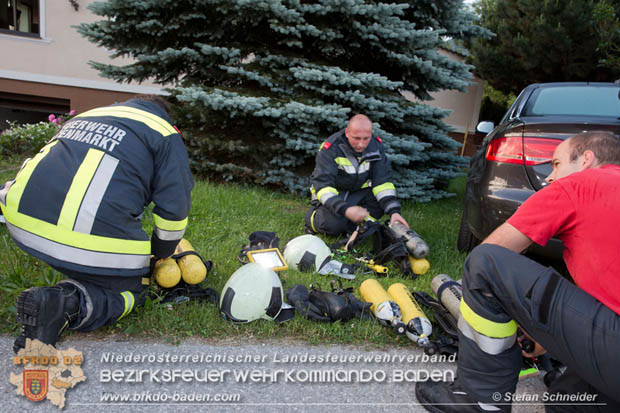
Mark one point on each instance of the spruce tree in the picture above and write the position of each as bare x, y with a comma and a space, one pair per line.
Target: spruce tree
261, 83
546, 41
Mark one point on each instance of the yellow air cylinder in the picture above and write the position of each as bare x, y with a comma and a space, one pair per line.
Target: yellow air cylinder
419, 265
383, 306
193, 270
167, 273
419, 328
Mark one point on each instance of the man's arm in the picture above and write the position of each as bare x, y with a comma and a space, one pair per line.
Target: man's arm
508, 237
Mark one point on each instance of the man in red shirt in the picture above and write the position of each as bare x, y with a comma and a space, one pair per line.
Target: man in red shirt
578, 324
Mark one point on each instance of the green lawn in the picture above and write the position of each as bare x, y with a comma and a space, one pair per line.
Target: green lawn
222, 218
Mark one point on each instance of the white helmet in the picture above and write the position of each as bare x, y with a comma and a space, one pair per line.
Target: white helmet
305, 252
254, 292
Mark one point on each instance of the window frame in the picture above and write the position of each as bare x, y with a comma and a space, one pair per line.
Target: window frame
40, 35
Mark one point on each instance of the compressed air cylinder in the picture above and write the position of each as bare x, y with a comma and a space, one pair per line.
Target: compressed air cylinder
448, 292
193, 270
415, 244
419, 265
383, 306
167, 273
419, 328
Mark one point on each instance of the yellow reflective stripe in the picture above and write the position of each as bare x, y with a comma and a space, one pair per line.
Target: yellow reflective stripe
17, 189
58, 234
343, 161
169, 225
487, 327
78, 239
327, 189
366, 184
383, 187
129, 303
78, 188
152, 121
312, 221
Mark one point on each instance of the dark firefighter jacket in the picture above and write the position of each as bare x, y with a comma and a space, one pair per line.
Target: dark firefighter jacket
78, 203
339, 170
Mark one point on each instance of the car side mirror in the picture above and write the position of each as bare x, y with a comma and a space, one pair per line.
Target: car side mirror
485, 126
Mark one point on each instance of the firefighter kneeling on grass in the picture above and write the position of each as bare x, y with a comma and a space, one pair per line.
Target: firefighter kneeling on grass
77, 205
351, 181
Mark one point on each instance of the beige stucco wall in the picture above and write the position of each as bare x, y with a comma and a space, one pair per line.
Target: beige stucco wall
465, 107
61, 56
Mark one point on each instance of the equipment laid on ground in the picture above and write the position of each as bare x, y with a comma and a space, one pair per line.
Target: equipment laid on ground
327, 306
309, 252
259, 240
185, 264
419, 328
419, 266
449, 293
193, 269
167, 273
306, 252
414, 243
383, 305
391, 245
253, 292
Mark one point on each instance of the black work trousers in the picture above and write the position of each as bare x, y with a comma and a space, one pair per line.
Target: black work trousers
570, 324
321, 220
104, 299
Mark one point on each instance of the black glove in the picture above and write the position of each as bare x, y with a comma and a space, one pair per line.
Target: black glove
299, 297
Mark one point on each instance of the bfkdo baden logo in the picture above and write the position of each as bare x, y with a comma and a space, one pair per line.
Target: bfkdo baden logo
47, 372
35, 384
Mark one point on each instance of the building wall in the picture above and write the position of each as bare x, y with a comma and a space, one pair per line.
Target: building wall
56, 65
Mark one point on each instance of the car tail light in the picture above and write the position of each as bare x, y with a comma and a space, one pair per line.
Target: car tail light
518, 150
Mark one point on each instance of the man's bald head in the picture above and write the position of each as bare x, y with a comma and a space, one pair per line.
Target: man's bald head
359, 132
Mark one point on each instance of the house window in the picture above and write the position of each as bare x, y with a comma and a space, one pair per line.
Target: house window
20, 17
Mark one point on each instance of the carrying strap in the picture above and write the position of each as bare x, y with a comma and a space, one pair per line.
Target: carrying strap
185, 292
208, 263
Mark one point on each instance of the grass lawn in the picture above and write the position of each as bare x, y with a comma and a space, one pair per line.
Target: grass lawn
222, 218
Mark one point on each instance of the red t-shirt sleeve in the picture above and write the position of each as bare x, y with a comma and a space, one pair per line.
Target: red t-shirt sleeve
547, 213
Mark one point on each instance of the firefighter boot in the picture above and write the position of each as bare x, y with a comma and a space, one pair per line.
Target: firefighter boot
449, 397
45, 312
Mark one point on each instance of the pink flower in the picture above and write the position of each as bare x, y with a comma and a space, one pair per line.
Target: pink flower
72, 112
56, 121
51, 118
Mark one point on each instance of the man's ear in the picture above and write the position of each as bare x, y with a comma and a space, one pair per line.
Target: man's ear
589, 160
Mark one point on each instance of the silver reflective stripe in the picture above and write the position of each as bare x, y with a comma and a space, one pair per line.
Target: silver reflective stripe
77, 255
392, 205
326, 196
86, 296
365, 166
4, 191
350, 169
92, 199
169, 235
487, 344
386, 192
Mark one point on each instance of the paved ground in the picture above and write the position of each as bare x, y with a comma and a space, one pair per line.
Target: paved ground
262, 377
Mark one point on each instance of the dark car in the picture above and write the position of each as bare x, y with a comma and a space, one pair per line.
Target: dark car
515, 157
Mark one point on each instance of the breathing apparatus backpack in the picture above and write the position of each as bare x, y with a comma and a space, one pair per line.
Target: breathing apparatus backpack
387, 245
179, 276
339, 304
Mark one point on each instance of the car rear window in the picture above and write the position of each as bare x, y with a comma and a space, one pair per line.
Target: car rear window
587, 100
